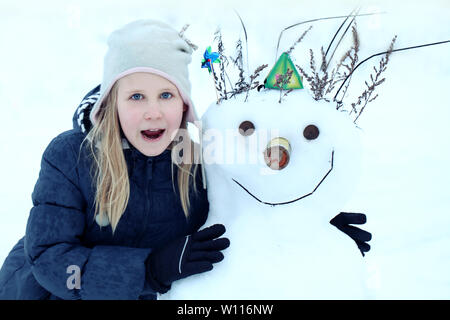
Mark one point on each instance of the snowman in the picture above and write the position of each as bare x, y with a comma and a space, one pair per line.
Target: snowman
279, 167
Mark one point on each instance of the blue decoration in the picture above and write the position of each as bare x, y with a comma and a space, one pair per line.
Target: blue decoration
209, 58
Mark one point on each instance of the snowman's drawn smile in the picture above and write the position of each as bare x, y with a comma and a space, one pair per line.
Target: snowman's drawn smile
287, 202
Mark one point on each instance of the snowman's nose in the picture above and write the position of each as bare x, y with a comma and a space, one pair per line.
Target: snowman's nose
277, 153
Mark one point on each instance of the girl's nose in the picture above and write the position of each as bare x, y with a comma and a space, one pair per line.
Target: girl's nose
152, 111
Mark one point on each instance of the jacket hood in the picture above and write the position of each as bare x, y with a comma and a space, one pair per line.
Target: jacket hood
80, 120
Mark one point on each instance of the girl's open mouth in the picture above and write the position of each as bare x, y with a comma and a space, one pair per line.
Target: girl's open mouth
152, 135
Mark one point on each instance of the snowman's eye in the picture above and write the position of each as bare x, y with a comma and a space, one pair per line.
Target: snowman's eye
311, 132
246, 128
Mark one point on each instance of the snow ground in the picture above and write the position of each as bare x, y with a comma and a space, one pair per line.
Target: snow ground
52, 55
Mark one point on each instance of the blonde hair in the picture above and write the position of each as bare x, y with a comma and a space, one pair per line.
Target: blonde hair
111, 180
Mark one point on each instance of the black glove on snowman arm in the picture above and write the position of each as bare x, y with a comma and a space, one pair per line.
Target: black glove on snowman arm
343, 220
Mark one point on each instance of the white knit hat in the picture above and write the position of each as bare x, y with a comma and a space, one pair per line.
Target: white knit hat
148, 46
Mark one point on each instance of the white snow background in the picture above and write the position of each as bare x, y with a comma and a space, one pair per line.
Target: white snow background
52, 54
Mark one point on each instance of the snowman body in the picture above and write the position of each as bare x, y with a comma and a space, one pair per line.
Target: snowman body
282, 244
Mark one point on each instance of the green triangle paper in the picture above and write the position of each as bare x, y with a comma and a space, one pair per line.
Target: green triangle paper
280, 68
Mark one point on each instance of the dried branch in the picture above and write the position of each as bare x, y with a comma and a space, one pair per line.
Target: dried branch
349, 61
223, 60
255, 75
241, 85
376, 80
282, 81
181, 34
319, 80
298, 40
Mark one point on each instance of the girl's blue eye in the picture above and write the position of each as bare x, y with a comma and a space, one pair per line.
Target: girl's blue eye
166, 95
136, 96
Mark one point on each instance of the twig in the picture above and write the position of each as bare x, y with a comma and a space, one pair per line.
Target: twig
221, 49
298, 40
282, 81
314, 20
253, 77
376, 80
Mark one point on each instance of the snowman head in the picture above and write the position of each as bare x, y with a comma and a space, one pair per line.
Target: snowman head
300, 151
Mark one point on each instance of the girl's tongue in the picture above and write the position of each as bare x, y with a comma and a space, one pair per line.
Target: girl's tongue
153, 134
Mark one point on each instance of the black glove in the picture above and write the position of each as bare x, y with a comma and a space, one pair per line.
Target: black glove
185, 256
343, 220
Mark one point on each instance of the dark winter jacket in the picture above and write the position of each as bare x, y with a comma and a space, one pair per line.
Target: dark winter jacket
62, 234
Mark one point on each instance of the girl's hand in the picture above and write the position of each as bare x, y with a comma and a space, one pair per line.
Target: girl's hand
186, 256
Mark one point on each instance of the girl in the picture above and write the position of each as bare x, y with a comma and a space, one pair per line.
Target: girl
112, 210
